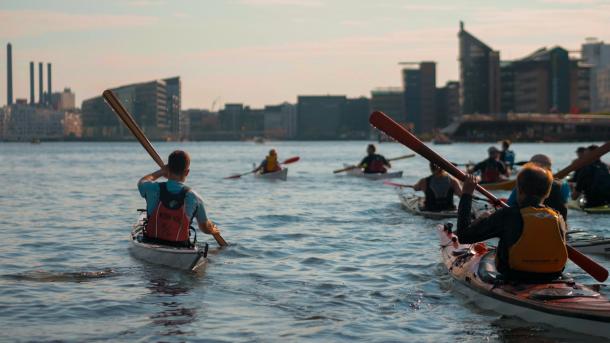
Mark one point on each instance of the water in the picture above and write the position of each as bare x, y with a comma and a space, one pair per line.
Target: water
319, 258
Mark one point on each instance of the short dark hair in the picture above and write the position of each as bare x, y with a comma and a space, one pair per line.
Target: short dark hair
535, 181
592, 147
372, 147
506, 142
434, 167
178, 162
581, 149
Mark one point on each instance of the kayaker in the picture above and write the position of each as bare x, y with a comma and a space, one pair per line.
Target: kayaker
171, 206
532, 237
560, 190
270, 163
594, 182
374, 163
507, 156
439, 189
580, 152
492, 169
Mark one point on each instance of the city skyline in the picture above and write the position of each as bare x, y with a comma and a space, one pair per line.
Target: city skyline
261, 52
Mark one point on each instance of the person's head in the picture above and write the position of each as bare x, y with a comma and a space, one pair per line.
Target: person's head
592, 147
533, 183
178, 164
370, 149
505, 144
542, 160
436, 170
273, 153
493, 152
580, 151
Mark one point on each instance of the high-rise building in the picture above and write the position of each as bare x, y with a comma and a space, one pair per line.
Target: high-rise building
355, 119
174, 115
597, 54
319, 116
231, 117
419, 84
447, 104
479, 75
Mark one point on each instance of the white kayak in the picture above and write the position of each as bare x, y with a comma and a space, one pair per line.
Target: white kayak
587, 243
414, 205
193, 258
372, 176
278, 175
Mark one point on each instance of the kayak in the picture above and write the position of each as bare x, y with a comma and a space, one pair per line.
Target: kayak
278, 175
373, 176
414, 205
506, 185
588, 243
561, 303
578, 203
182, 258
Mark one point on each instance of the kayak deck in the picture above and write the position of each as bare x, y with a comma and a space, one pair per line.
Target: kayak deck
562, 303
578, 205
373, 176
414, 204
182, 258
505, 185
278, 175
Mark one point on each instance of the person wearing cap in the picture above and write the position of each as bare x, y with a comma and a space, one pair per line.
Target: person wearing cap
374, 163
492, 169
594, 182
439, 189
506, 155
560, 191
270, 164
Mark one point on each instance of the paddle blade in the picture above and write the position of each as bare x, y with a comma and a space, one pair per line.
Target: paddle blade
594, 269
291, 160
221, 241
236, 176
394, 184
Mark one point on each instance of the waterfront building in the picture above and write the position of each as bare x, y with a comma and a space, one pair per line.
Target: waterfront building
21, 122
280, 121
355, 119
479, 75
319, 116
596, 54
147, 102
64, 100
391, 101
419, 84
447, 104
602, 78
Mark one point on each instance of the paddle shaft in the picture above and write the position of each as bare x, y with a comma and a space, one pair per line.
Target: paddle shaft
588, 158
394, 130
286, 161
131, 124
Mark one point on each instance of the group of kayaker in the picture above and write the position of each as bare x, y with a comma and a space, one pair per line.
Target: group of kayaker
592, 181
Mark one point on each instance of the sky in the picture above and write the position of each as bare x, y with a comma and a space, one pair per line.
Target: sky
264, 52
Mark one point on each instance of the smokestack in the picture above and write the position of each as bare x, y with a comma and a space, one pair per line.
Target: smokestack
40, 83
49, 90
32, 98
9, 74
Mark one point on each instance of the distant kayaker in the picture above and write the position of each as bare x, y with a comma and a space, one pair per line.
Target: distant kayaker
374, 163
439, 189
507, 156
560, 190
269, 164
492, 169
594, 182
580, 152
532, 236
171, 206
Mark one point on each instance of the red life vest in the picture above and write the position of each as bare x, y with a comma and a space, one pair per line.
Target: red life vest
491, 173
376, 166
169, 221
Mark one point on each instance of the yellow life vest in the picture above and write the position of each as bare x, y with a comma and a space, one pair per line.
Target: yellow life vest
541, 247
272, 164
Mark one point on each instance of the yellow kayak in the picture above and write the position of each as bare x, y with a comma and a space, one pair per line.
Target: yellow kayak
577, 205
505, 185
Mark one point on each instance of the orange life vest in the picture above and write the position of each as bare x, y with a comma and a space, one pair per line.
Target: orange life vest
271, 164
169, 221
541, 247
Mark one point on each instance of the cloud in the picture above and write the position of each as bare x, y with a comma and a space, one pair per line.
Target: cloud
295, 3
21, 23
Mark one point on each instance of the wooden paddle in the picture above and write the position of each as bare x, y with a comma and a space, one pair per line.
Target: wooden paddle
287, 161
401, 185
384, 123
588, 158
391, 159
122, 113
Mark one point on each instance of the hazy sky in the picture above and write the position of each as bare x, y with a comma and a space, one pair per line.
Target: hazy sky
268, 51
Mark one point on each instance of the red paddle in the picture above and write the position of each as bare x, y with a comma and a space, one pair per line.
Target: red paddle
391, 128
402, 185
287, 161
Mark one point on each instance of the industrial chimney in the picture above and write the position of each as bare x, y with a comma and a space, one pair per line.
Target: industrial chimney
9, 74
40, 83
49, 90
32, 98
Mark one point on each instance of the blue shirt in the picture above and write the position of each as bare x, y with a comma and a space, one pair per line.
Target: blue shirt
193, 204
565, 194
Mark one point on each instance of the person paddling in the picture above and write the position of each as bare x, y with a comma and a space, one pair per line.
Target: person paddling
171, 206
532, 245
594, 182
374, 163
270, 164
560, 190
439, 189
507, 156
492, 169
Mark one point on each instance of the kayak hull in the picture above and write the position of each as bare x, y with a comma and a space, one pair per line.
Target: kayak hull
506, 185
174, 257
577, 205
589, 244
373, 176
563, 304
278, 175
413, 205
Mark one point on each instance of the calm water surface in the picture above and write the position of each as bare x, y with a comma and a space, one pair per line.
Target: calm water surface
319, 258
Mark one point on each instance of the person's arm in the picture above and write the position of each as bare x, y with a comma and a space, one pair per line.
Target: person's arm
512, 199
203, 222
503, 169
457, 188
153, 176
364, 162
476, 168
420, 185
386, 162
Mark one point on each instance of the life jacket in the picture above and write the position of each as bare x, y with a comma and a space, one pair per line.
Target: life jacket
169, 221
508, 157
271, 164
376, 165
491, 173
439, 193
541, 247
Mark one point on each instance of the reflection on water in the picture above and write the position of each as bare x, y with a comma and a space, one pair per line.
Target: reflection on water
321, 257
